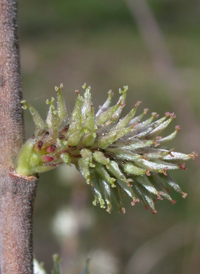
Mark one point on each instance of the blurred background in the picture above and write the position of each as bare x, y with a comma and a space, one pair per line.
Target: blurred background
153, 47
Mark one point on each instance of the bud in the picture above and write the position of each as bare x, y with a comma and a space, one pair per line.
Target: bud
115, 156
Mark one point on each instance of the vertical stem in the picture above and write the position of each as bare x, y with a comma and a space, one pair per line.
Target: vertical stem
16, 224
11, 119
17, 193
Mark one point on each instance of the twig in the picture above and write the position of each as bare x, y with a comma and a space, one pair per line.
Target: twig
17, 194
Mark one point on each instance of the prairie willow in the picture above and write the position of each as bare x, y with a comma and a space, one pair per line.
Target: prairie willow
115, 155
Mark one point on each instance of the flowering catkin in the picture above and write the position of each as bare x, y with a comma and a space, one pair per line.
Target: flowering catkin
114, 155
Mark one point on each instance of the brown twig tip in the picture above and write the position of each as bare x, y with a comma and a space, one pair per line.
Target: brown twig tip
154, 211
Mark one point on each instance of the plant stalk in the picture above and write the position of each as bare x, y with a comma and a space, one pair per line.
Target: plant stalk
16, 224
17, 193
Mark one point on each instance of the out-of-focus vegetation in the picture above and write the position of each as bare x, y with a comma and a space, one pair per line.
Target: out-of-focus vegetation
98, 42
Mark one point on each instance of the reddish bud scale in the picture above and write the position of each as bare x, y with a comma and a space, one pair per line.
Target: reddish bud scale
47, 158
51, 148
39, 145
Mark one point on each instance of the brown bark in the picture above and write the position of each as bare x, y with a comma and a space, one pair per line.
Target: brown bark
16, 224
17, 194
11, 122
